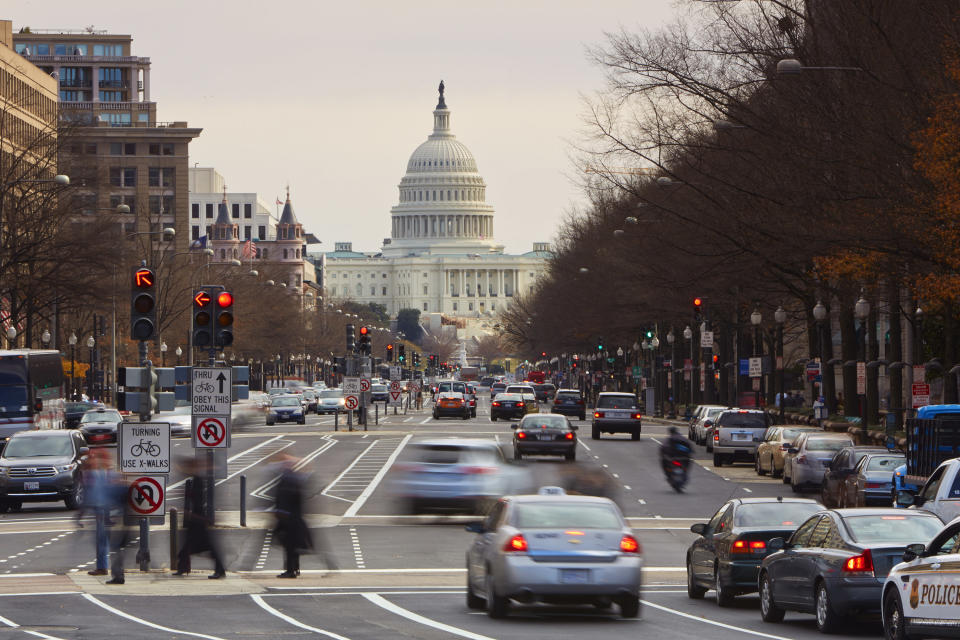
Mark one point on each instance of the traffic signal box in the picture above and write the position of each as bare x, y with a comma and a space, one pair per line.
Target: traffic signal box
351, 339
203, 309
402, 356
143, 389
389, 353
143, 304
364, 344
223, 328
698, 309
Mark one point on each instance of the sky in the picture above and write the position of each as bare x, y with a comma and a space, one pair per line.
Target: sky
332, 98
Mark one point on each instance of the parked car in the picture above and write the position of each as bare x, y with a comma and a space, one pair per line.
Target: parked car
451, 403
42, 466
775, 443
617, 413
836, 563
100, 425
871, 482
510, 406
285, 408
569, 402
727, 555
840, 467
545, 434
703, 419
808, 457
736, 435
554, 549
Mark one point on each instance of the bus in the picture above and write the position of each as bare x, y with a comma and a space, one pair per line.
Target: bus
31, 391
538, 377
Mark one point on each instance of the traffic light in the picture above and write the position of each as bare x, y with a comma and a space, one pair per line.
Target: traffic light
416, 359
364, 344
148, 400
351, 339
649, 334
543, 354
402, 356
223, 328
143, 304
389, 353
202, 319
600, 344
697, 309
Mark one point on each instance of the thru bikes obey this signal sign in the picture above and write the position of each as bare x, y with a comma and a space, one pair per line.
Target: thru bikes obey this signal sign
143, 447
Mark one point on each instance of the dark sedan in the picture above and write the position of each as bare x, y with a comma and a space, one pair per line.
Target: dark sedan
871, 482
727, 555
840, 468
545, 434
508, 406
835, 564
73, 411
569, 402
99, 426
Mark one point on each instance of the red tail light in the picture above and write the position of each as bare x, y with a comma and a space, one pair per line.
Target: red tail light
476, 470
517, 543
873, 485
861, 564
519, 404
598, 414
716, 437
637, 416
629, 544
568, 435
495, 404
521, 435
579, 401
676, 463
748, 546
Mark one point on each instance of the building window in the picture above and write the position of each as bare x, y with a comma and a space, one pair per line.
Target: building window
373, 291
107, 49
384, 291
246, 233
333, 291
195, 233
195, 211
223, 254
298, 254
296, 280
210, 231
284, 254
359, 276
164, 149
161, 205
116, 120
333, 275
161, 176
263, 253
470, 307
493, 306
235, 211
123, 148
248, 210
359, 290
123, 176
424, 306
454, 306
111, 96
262, 232
424, 289
384, 276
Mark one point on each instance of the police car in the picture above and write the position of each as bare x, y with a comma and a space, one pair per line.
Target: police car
921, 595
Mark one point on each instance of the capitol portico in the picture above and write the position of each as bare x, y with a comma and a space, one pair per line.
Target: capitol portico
441, 255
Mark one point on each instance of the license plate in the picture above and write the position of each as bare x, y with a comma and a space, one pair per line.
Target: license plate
545, 436
741, 436
574, 576
31, 486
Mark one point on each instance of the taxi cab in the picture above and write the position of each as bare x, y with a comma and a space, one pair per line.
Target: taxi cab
921, 595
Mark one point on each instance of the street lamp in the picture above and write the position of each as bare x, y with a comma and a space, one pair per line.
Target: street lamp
11, 337
780, 316
73, 364
179, 353
163, 354
45, 338
91, 343
756, 318
688, 336
862, 311
671, 340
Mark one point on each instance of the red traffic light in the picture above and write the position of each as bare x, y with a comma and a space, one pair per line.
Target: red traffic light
697, 302
201, 299
364, 331
143, 278
389, 347
224, 300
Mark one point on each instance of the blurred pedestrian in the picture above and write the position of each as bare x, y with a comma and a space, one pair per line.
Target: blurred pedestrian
291, 528
198, 538
419, 398
98, 501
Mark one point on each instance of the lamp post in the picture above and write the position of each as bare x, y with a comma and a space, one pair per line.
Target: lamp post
45, 339
11, 337
781, 318
91, 343
179, 353
73, 365
671, 340
658, 397
862, 310
163, 354
756, 318
819, 315
688, 336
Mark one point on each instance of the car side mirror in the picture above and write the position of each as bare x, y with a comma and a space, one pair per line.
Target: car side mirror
700, 528
914, 551
474, 527
574, 427
793, 450
776, 544
514, 426
907, 499
83, 451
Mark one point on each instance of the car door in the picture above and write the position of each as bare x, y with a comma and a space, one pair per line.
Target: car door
832, 477
765, 449
703, 554
927, 497
939, 566
811, 561
478, 555
854, 484
785, 568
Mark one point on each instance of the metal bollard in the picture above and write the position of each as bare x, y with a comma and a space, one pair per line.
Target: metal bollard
336, 420
143, 553
376, 413
173, 539
243, 500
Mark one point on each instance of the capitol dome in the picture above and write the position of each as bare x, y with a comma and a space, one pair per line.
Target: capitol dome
442, 207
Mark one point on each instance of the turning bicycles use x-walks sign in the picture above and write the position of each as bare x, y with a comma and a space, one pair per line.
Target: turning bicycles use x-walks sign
144, 447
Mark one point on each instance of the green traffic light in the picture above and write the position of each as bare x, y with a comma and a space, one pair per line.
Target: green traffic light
649, 334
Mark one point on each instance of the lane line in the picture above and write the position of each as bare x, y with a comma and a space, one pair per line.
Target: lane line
146, 623
380, 601
357, 552
294, 621
352, 511
425, 421
229, 460
345, 471
584, 444
647, 603
11, 623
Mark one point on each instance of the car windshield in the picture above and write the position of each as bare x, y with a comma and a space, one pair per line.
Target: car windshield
13, 402
378, 388
444, 386
331, 394
617, 402
557, 515
884, 463
508, 397
78, 407
452, 454
774, 514
789, 435
826, 444
101, 416
38, 446
544, 420
568, 394
286, 402
276, 391
895, 529
743, 420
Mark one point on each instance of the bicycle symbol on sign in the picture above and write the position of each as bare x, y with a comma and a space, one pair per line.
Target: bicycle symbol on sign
145, 447
205, 387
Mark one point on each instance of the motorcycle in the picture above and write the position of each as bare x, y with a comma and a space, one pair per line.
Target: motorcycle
676, 471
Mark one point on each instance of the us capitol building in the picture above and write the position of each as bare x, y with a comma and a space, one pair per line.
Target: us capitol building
441, 257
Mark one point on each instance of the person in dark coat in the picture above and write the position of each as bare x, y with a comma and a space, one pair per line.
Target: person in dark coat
291, 528
197, 538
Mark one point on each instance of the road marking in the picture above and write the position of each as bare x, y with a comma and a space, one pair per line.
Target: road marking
713, 622
352, 511
584, 444
747, 490
11, 623
641, 501
426, 420
356, 460
294, 621
615, 475
176, 485
655, 440
261, 491
146, 623
380, 601
357, 552
627, 487
265, 549
408, 419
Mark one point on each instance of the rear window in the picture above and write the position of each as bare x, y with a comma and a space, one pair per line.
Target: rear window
558, 515
451, 454
331, 394
568, 394
884, 463
550, 421
789, 435
774, 514
743, 420
617, 402
826, 444
896, 529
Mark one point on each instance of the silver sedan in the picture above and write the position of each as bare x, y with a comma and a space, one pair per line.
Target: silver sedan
556, 549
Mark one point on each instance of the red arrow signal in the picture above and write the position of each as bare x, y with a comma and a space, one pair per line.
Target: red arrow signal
143, 278
201, 299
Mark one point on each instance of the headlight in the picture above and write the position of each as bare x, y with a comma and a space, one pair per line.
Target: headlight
3, 472
67, 467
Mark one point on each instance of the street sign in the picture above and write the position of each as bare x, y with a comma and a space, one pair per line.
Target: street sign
744, 366
144, 447
756, 384
364, 384
351, 401
861, 378
921, 394
351, 386
146, 496
756, 368
395, 385
687, 365
706, 339
209, 432
813, 370
395, 400
212, 387
395, 373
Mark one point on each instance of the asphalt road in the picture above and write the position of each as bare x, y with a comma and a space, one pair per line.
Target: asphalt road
396, 576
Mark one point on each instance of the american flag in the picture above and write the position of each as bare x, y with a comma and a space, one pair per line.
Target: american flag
249, 250
5, 315
279, 201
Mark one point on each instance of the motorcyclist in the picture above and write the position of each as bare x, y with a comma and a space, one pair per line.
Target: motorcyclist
676, 447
